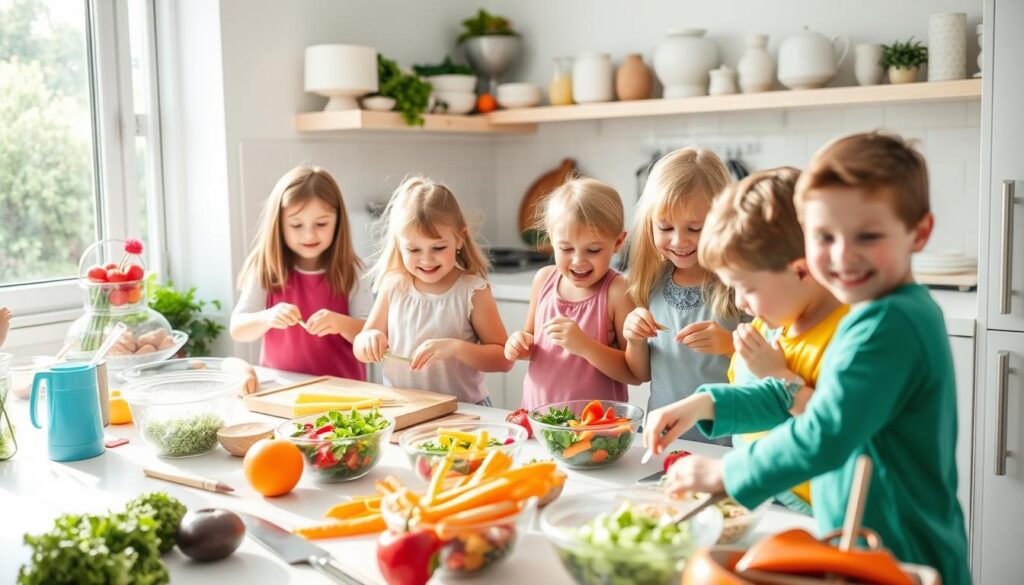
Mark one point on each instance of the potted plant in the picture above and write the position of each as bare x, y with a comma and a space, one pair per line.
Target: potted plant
903, 60
491, 45
184, 312
411, 94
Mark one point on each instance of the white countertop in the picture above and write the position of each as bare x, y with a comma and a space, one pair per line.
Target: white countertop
35, 490
959, 308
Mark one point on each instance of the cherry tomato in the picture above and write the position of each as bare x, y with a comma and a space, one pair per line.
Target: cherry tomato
118, 298
135, 295
97, 274
135, 272
115, 275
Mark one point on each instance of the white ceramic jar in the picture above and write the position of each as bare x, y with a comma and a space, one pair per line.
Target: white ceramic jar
947, 46
723, 81
593, 78
756, 67
867, 63
682, 62
807, 59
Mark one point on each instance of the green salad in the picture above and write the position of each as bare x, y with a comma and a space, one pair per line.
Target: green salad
182, 437
594, 439
341, 445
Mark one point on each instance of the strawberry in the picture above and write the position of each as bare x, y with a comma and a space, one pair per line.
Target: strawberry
522, 418
672, 458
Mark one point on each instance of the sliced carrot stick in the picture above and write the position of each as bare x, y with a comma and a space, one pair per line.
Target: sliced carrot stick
495, 462
576, 449
368, 524
540, 469
440, 472
345, 509
487, 493
532, 488
451, 525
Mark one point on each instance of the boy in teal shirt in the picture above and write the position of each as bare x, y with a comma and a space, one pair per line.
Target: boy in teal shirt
886, 387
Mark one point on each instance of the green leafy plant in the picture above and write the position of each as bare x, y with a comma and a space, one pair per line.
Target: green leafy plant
166, 510
485, 23
905, 55
446, 67
410, 92
184, 312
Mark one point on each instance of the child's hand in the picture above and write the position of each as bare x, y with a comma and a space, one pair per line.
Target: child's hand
282, 316
5, 324
706, 337
565, 333
324, 322
667, 423
518, 346
370, 346
639, 325
433, 350
695, 473
763, 359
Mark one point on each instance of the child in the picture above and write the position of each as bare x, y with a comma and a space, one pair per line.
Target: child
573, 328
303, 266
756, 247
886, 387
435, 316
671, 289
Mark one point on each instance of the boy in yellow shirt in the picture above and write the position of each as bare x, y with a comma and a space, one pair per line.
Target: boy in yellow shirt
756, 246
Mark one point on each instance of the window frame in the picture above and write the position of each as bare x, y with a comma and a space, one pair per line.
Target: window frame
115, 128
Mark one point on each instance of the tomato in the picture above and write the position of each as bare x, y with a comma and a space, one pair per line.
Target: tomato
115, 275
110, 266
134, 295
135, 272
97, 274
118, 298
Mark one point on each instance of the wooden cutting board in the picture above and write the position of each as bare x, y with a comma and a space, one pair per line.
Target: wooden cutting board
413, 407
454, 417
540, 188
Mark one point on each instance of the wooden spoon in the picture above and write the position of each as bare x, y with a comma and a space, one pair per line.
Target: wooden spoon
237, 439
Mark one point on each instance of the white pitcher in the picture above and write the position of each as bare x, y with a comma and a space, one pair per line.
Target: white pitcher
808, 60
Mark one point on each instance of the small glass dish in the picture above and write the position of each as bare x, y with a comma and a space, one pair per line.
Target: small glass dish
588, 446
509, 436
337, 459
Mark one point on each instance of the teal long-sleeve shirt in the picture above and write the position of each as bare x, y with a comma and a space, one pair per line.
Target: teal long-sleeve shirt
886, 389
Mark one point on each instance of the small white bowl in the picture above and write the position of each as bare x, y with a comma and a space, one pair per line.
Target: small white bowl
379, 103
455, 82
518, 95
459, 102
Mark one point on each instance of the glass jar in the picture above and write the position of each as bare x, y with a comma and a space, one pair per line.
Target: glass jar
8, 443
560, 88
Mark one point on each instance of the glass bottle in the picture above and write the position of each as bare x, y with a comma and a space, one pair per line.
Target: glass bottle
560, 89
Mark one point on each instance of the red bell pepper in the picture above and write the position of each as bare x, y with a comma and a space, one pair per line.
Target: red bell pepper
407, 558
324, 457
592, 413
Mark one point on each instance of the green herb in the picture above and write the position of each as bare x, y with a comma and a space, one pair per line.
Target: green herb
117, 548
447, 67
167, 512
557, 416
181, 437
411, 93
485, 23
184, 312
906, 55
342, 450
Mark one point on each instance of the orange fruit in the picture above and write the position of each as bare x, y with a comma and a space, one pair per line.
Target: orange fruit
120, 414
273, 466
486, 103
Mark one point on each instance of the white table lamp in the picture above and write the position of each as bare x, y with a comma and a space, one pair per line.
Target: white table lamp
341, 73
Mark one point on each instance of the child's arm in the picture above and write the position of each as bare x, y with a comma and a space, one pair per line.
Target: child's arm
251, 321
370, 344
608, 360
766, 360
488, 355
638, 327
520, 343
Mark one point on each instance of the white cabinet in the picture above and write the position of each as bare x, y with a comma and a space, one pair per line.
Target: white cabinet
963, 363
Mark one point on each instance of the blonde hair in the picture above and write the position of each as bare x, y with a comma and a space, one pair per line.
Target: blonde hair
583, 202
752, 224
422, 204
884, 164
270, 260
674, 181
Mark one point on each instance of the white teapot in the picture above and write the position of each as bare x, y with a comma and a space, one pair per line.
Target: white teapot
807, 59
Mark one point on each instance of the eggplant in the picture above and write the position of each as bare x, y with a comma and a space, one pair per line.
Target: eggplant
210, 534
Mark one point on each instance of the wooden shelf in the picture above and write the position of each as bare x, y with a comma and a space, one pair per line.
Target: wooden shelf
963, 89
370, 121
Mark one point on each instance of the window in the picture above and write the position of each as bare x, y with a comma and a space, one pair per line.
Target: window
77, 155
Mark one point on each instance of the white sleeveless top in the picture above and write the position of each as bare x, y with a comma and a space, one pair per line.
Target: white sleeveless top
414, 317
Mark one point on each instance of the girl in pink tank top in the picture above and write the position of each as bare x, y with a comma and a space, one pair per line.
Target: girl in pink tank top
573, 330
300, 284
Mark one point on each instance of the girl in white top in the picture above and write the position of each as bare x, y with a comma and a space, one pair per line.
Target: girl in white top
435, 323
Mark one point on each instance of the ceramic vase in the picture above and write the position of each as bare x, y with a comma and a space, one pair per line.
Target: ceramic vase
867, 64
592, 78
902, 75
947, 46
633, 79
682, 62
981, 47
723, 81
756, 67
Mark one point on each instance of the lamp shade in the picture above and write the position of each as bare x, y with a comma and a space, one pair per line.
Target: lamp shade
341, 73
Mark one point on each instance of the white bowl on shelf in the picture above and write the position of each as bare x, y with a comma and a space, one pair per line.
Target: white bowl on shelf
453, 83
459, 102
379, 103
518, 95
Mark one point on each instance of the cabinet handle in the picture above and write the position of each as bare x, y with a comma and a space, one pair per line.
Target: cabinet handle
1005, 280
1002, 389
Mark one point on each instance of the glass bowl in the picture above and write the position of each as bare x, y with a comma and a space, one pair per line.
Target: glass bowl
423, 460
340, 459
625, 536
738, 521
178, 414
23, 370
467, 550
211, 364
591, 446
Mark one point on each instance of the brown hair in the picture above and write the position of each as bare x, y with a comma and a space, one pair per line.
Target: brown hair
674, 180
270, 260
881, 164
585, 202
752, 225
422, 204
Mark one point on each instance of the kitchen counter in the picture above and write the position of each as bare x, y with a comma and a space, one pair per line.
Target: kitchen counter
959, 308
35, 490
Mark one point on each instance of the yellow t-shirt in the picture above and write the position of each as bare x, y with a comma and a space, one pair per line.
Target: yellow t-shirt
803, 355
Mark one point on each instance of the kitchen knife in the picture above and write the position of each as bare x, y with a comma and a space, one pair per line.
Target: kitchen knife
294, 549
